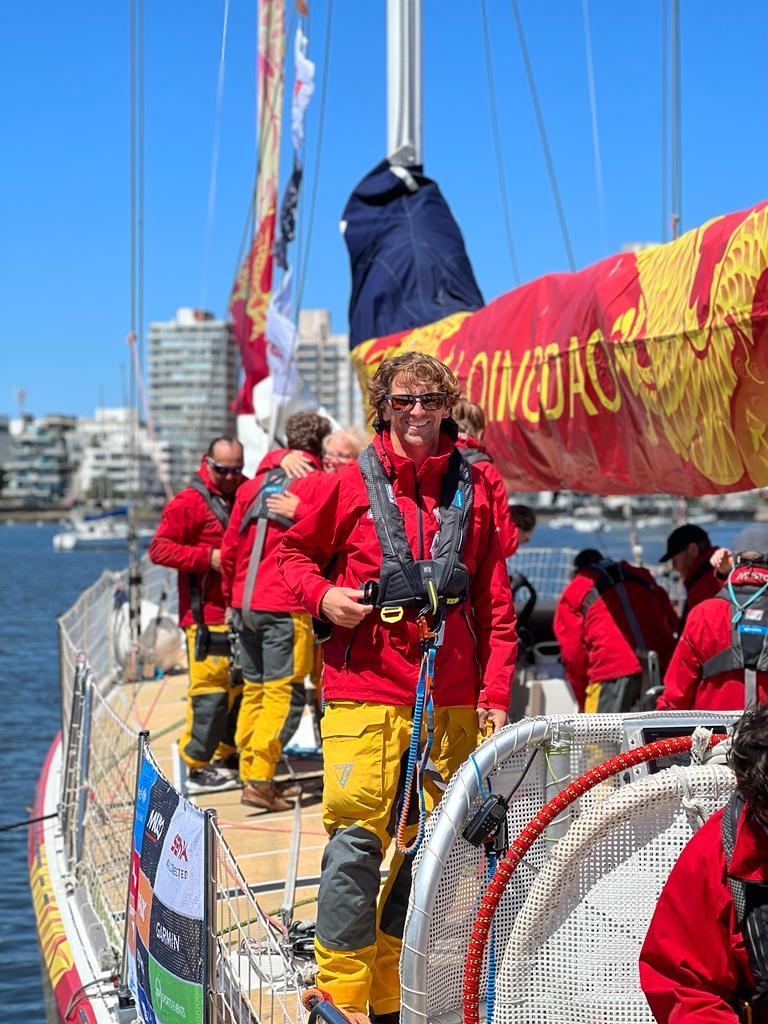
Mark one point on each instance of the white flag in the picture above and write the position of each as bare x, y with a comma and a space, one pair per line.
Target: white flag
302, 89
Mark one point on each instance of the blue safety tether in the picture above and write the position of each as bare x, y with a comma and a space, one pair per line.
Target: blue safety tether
423, 715
741, 608
490, 987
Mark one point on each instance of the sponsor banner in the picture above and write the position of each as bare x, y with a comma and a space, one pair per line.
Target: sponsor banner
174, 1001
644, 372
166, 911
179, 881
176, 942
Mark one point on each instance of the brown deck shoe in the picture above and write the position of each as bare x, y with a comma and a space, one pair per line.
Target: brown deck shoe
264, 795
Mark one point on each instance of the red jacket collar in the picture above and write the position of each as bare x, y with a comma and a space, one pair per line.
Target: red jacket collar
398, 465
750, 852
465, 441
703, 557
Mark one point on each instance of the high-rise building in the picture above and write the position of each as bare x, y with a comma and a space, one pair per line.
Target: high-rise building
41, 460
324, 363
193, 368
118, 458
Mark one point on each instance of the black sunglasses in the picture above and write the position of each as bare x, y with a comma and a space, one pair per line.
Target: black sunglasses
225, 470
431, 401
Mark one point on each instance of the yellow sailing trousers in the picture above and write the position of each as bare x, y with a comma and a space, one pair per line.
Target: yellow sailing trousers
212, 706
360, 925
275, 658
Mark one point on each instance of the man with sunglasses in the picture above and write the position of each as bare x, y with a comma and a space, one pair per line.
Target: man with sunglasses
412, 483
721, 659
188, 539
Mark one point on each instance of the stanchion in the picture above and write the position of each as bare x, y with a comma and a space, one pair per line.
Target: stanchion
211, 896
125, 1003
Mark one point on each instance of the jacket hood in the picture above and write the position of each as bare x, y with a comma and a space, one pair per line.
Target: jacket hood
395, 464
750, 852
465, 441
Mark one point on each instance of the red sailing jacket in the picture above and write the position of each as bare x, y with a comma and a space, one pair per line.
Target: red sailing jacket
271, 593
598, 644
379, 662
701, 582
187, 534
505, 524
693, 964
707, 632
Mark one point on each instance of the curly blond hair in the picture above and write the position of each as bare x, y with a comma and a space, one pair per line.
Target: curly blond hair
418, 368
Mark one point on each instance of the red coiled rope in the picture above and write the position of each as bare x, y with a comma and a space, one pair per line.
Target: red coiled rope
473, 965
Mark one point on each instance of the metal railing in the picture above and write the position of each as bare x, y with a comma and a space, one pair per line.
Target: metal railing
252, 974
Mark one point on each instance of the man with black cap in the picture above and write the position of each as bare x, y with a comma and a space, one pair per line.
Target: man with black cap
690, 550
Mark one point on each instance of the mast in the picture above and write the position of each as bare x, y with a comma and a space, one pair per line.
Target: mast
404, 83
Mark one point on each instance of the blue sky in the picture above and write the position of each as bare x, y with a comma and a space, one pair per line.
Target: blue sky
64, 255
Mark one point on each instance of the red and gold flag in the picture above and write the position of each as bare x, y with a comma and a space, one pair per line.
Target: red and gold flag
250, 294
645, 372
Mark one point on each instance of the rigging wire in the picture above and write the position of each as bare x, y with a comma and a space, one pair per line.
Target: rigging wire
664, 128
317, 161
543, 135
595, 130
212, 182
497, 142
676, 216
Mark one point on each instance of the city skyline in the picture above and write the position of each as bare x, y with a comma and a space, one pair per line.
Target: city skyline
65, 254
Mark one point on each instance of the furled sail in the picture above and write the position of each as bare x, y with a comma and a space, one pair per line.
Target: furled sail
644, 372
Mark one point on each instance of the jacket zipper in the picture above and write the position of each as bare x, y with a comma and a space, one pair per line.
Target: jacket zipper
475, 653
419, 525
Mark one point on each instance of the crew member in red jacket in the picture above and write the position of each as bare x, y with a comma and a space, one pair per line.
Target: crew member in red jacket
418, 513
703, 962
690, 551
470, 419
719, 663
608, 612
276, 644
188, 539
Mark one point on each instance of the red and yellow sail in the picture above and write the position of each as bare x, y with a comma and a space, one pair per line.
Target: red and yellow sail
644, 372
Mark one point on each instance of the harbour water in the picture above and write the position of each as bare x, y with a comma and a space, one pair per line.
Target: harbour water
40, 583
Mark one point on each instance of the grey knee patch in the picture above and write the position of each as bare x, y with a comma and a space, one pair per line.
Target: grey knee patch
349, 887
295, 711
209, 725
395, 907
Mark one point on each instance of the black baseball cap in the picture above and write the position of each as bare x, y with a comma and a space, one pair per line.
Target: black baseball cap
680, 538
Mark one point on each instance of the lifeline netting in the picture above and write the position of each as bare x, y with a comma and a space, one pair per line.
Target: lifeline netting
451, 875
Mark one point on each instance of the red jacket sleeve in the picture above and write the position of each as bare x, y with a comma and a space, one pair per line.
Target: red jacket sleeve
173, 544
684, 672
494, 616
568, 627
505, 524
310, 490
307, 547
688, 970
231, 541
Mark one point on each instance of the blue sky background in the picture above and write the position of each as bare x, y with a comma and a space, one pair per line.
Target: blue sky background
64, 255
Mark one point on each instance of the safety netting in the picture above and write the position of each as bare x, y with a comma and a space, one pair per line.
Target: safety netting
451, 874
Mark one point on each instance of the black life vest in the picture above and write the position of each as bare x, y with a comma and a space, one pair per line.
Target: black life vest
748, 650
275, 482
473, 455
407, 582
614, 576
750, 903
215, 502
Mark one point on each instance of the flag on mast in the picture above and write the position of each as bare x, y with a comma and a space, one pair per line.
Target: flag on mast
253, 286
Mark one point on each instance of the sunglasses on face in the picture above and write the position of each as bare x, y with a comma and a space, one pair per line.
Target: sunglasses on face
225, 470
431, 401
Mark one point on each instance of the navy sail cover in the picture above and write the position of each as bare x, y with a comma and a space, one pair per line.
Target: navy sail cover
409, 265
